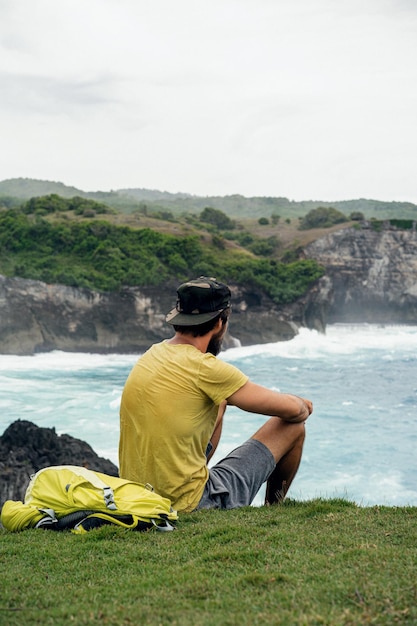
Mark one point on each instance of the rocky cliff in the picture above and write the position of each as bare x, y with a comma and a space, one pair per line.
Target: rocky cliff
370, 276
37, 317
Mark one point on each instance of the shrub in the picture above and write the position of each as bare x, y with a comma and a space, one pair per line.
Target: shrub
100, 255
356, 216
322, 217
216, 218
264, 247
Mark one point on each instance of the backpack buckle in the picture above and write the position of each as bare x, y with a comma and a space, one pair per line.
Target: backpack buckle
109, 498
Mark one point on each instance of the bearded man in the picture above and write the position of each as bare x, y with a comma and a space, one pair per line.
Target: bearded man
172, 410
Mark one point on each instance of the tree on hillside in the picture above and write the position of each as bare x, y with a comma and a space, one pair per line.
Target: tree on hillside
42, 205
356, 216
216, 218
322, 217
8, 202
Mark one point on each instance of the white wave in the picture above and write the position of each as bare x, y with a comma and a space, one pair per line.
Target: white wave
339, 339
65, 361
115, 404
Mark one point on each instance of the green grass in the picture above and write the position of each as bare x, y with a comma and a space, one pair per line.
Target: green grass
319, 562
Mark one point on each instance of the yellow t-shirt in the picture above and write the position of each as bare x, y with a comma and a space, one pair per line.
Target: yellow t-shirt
167, 415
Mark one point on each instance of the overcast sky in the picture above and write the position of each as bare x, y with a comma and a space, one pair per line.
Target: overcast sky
307, 99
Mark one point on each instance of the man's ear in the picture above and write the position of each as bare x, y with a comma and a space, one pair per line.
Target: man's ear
218, 326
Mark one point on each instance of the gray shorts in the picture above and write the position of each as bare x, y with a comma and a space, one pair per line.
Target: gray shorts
235, 480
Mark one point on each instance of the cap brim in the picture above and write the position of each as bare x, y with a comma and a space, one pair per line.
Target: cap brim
185, 319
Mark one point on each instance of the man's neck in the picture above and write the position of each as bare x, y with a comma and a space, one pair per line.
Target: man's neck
201, 343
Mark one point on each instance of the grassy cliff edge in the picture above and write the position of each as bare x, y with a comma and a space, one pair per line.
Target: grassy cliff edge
318, 562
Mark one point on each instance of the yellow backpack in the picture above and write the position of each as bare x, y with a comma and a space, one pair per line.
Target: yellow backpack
70, 497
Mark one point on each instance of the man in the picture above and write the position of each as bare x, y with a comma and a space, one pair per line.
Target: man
172, 410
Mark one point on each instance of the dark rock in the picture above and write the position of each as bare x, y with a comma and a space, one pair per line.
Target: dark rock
26, 448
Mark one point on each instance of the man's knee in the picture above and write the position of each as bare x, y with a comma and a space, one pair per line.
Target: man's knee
292, 432
299, 430
280, 436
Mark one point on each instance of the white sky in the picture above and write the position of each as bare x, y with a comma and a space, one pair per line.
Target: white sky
308, 99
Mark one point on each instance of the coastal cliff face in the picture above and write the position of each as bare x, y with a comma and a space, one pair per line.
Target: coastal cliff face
370, 276
37, 317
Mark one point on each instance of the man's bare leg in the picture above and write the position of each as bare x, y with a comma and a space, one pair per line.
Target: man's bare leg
285, 440
281, 478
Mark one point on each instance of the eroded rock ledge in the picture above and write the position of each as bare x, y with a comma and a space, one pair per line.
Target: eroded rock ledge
37, 317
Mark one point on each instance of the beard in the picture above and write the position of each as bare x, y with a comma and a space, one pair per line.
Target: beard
215, 343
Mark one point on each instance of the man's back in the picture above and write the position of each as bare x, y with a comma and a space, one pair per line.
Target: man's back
167, 415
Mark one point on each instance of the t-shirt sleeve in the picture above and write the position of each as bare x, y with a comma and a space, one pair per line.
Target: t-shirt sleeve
219, 380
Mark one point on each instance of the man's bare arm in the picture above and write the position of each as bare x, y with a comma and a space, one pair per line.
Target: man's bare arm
257, 399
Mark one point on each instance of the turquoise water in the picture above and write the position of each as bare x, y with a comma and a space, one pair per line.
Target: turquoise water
361, 439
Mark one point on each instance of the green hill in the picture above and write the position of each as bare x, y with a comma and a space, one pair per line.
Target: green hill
78, 242
26, 188
236, 205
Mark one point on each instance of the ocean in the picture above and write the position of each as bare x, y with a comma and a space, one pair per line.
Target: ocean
361, 440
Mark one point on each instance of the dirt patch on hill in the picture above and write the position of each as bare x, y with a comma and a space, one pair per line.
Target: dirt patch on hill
286, 231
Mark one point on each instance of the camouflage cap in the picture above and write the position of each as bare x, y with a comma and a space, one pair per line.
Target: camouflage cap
199, 301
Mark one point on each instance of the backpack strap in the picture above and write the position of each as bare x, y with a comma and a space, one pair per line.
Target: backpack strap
163, 526
49, 520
